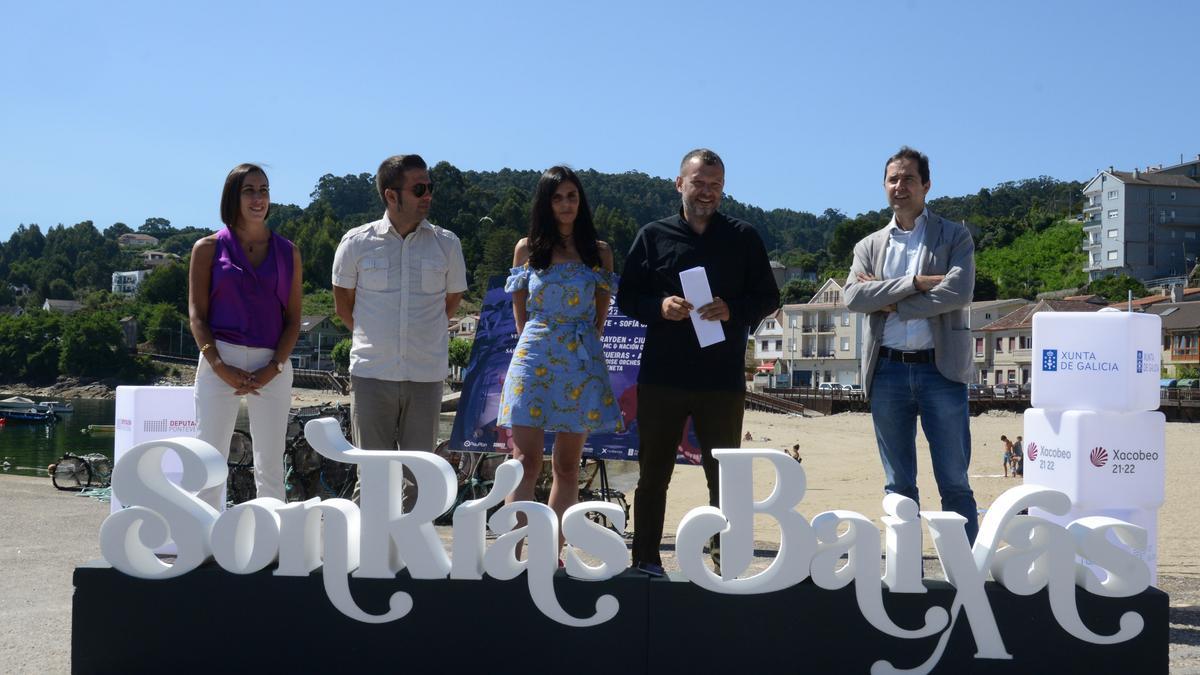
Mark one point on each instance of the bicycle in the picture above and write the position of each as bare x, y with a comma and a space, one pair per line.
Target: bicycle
476, 473
76, 472
589, 471
604, 493
307, 473
239, 485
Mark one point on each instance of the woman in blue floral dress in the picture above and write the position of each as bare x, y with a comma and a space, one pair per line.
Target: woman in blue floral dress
557, 380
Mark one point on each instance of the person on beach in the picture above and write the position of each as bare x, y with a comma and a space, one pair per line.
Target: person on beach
678, 379
244, 298
396, 283
1008, 454
557, 380
914, 279
1018, 461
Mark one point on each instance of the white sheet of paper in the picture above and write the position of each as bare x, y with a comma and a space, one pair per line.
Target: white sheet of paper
697, 291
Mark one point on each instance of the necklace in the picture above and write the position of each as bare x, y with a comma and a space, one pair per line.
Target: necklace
251, 245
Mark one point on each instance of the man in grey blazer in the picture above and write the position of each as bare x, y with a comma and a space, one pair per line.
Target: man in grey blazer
914, 279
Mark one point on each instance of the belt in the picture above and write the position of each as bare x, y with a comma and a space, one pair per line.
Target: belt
580, 329
921, 356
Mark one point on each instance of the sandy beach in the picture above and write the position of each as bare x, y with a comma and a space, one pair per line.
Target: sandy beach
842, 465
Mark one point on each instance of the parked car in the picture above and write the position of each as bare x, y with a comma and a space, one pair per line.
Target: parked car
1189, 383
977, 391
1168, 383
855, 390
1006, 390
829, 386
1027, 389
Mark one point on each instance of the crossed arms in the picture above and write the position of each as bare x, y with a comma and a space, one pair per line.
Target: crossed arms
915, 296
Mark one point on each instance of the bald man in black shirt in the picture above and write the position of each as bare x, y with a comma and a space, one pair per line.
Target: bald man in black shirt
677, 377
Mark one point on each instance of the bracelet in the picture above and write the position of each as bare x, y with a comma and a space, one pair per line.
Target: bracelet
205, 346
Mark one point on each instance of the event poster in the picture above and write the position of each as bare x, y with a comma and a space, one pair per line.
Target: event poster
475, 427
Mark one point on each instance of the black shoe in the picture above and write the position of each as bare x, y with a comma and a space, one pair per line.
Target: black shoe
649, 569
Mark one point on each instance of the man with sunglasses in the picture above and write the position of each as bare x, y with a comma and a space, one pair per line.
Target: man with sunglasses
396, 283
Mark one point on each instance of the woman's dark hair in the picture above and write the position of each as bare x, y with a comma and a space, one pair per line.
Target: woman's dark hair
231, 196
543, 227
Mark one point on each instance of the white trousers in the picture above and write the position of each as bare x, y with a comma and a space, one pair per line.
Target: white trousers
217, 410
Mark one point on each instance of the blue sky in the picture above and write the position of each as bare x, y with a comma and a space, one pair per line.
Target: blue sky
122, 111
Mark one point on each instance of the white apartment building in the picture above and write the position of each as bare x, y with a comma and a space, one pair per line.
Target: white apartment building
126, 283
813, 342
805, 344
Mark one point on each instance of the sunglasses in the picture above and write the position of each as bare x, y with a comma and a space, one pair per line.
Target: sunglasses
418, 190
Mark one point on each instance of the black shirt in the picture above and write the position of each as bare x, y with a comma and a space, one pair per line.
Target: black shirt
735, 260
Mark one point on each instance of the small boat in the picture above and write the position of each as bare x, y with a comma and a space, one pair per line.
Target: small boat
55, 407
96, 429
31, 416
22, 403
17, 403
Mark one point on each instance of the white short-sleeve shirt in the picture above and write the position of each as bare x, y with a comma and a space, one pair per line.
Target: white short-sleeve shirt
400, 286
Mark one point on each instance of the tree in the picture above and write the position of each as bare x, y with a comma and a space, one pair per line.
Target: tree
29, 347
169, 284
497, 257
25, 244
348, 194
341, 355
60, 290
159, 228
115, 231
985, 288
617, 229
460, 352
163, 324
797, 291
1117, 288
847, 233
91, 345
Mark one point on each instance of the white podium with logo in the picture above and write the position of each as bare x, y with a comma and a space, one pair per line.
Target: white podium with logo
1094, 432
152, 413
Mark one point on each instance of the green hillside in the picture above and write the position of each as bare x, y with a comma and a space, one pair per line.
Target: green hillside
1036, 261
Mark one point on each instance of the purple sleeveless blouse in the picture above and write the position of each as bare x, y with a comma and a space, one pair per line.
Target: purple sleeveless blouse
246, 303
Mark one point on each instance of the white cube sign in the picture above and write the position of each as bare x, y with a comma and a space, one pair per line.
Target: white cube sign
1106, 360
149, 414
1110, 464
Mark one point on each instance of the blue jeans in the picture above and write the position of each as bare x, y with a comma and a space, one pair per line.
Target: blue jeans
900, 393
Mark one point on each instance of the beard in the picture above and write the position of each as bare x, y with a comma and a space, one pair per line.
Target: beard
695, 208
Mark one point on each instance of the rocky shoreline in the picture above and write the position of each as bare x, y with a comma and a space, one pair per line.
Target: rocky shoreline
86, 387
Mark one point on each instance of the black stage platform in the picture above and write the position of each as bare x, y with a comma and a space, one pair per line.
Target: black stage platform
212, 621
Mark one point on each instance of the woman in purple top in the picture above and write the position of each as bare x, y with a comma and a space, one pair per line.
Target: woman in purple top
244, 296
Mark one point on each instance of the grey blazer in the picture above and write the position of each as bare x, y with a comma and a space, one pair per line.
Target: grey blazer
949, 250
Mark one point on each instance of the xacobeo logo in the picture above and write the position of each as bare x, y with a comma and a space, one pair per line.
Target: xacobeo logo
1099, 457
1032, 451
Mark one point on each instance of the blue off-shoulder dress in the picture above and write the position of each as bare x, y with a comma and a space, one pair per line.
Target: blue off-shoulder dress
557, 379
